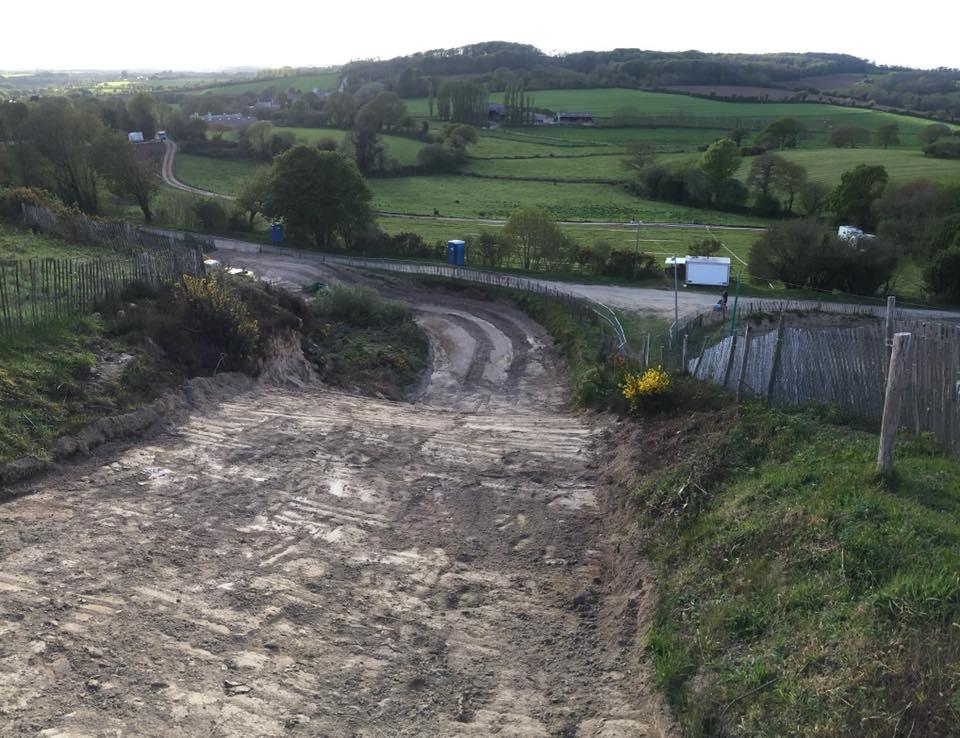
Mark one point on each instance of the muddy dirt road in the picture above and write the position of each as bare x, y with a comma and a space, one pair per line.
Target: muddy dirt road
299, 561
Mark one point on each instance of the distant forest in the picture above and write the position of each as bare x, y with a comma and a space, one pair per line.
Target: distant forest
501, 65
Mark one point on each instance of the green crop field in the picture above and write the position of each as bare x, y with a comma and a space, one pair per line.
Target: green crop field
474, 197
216, 175
302, 82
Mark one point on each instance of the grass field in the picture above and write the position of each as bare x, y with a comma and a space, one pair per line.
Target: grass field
474, 197
607, 103
216, 175
401, 148
567, 140
302, 82
606, 167
658, 240
16, 243
826, 165
800, 594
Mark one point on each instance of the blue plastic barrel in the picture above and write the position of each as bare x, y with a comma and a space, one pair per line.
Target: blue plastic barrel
276, 232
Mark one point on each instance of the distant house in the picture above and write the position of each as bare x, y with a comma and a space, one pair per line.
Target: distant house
539, 119
574, 119
234, 120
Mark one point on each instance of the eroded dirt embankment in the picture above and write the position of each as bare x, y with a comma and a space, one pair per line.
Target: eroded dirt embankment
292, 560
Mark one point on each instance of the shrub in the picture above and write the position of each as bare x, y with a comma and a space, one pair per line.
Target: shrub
440, 158
705, 247
808, 254
645, 390
220, 315
942, 276
360, 306
943, 150
11, 199
211, 215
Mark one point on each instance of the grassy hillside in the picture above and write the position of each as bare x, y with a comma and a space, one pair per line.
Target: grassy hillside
799, 595
826, 165
607, 103
19, 243
474, 197
207, 173
302, 82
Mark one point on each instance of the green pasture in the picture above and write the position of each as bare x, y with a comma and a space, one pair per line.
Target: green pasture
463, 196
826, 165
665, 138
302, 82
401, 148
609, 103
658, 240
17, 243
207, 173
566, 168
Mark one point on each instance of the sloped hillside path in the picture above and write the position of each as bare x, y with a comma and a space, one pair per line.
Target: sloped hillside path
294, 560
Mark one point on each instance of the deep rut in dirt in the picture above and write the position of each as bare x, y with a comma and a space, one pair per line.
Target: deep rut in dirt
299, 561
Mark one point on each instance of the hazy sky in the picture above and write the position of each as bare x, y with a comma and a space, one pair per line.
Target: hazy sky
176, 34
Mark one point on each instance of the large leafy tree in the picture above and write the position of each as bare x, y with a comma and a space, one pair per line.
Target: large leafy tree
537, 238
721, 160
319, 194
125, 176
254, 193
783, 133
859, 189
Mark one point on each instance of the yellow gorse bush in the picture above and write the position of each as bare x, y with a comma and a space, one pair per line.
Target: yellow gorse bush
654, 381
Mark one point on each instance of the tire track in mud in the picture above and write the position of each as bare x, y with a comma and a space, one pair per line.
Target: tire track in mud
307, 562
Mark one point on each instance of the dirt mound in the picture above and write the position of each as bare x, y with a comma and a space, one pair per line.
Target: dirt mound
286, 365
198, 393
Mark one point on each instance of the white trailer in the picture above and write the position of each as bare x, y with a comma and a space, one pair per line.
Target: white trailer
707, 270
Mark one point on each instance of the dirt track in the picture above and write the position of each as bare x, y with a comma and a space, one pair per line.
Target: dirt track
298, 561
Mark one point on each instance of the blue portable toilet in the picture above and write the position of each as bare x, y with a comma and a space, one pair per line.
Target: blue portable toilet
276, 232
455, 252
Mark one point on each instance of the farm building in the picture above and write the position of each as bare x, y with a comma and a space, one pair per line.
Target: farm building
574, 119
234, 120
496, 111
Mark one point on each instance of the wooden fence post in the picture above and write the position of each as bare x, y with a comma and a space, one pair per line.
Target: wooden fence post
683, 355
696, 367
742, 371
775, 361
891, 309
730, 355
897, 379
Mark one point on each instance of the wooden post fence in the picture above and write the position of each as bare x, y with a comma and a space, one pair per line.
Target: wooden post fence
898, 377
